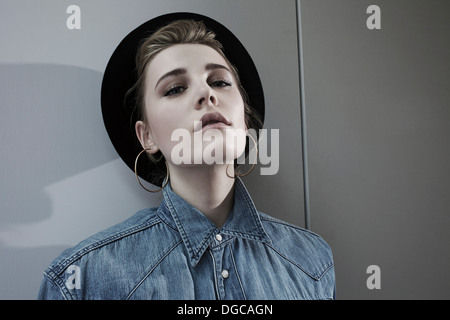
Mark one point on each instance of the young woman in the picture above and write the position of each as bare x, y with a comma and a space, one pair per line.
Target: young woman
206, 240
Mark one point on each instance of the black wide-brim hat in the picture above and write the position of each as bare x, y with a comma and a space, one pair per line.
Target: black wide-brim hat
120, 75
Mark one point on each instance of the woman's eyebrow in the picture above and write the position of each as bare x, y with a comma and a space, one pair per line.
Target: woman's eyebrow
174, 72
213, 66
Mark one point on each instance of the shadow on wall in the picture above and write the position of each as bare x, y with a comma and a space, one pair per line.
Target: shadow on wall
59, 173
51, 128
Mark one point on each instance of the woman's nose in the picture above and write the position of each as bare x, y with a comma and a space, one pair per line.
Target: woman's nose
207, 96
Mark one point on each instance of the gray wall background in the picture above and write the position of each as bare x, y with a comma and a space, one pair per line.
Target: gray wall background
377, 120
378, 126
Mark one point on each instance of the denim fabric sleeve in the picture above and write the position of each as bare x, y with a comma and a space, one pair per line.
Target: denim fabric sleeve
50, 291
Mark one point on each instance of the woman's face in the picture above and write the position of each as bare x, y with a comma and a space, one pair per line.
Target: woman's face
185, 84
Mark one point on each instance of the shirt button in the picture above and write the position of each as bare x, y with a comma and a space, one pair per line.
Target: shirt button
225, 274
218, 237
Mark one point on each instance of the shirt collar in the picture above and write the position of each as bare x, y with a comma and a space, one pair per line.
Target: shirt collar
197, 231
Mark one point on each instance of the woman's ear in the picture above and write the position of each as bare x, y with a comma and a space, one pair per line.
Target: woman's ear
145, 137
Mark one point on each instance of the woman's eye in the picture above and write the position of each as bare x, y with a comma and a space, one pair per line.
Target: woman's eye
174, 91
220, 83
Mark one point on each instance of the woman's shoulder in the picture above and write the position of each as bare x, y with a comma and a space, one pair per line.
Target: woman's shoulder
269, 220
123, 236
303, 247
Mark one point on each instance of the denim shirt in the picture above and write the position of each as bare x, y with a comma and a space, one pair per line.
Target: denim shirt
175, 252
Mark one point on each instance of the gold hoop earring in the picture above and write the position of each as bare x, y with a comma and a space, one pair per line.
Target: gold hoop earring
253, 166
137, 177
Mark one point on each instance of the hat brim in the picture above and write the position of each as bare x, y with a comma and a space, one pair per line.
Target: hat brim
120, 76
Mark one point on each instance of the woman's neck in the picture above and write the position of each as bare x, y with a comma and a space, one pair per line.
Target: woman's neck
207, 188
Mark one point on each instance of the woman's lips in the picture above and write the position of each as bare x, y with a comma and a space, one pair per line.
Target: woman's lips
212, 120
215, 125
